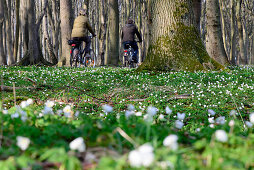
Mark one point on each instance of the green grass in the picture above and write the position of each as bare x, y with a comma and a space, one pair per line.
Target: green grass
87, 90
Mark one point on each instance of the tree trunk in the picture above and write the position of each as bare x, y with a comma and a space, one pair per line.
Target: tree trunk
66, 27
241, 57
114, 33
16, 46
3, 60
214, 43
8, 30
175, 43
102, 34
233, 35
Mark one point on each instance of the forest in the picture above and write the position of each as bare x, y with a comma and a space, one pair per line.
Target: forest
188, 103
36, 31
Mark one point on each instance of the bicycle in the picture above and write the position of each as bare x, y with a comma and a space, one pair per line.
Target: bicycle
88, 59
128, 56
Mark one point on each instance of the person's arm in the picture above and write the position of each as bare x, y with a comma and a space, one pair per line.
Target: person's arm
90, 29
138, 35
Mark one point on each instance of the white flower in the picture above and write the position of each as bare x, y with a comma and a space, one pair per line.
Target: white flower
252, 118
5, 112
143, 156
168, 111
221, 136
77, 113
107, 108
211, 112
148, 118
49, 104
248, 124
180, 116
232, 112
152, 110
231, 123
211, 119
67, 109
78, 144
179, 124
198, 130
129, 113
15, 115
135, 159
211, 125
171, 142
29, 101
23, 142
23, 104
47, 110
138, 114
221, 120
161, 117
131, 107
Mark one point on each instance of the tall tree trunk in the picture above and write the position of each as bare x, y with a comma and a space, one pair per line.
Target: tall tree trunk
222, 18
174, 42
66, 25
214, 44
241, 57
232, 34
3, 60
197, 5
16, 46
8, 30
102, 34
49, 46
114, 33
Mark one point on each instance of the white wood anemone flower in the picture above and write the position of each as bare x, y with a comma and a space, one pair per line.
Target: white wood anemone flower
252, 118
106, 108
168, 111
78, 144
23, 142
221, 136
143, 156
171, 142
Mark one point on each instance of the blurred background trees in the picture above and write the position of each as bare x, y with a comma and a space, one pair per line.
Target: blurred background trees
36, 31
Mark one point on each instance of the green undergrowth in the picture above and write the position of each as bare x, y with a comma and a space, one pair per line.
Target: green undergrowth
87, 90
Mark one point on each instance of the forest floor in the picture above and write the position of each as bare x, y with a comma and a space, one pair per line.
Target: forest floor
123, 119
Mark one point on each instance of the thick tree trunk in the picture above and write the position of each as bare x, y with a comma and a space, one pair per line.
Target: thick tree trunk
3, 60
8, 30
241, 57
175, 42
114, 33
214, 44
66, 27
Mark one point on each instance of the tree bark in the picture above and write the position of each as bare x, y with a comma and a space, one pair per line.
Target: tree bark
241, 57
8, 30
16, 46
114, 33
3, 60
66, 27
232, 55
175, 43
214, 43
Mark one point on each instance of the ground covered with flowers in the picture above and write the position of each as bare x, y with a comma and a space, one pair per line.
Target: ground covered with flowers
112, 118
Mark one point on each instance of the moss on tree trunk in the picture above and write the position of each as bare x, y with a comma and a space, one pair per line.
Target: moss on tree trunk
175, 41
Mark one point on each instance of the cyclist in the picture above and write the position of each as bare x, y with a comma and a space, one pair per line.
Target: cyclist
128, 37
80, 30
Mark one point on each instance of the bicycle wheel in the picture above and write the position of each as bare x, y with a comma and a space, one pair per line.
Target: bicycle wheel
73, 58
90, 59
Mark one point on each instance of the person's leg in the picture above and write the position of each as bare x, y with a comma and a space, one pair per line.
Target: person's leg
87, 40
135, 48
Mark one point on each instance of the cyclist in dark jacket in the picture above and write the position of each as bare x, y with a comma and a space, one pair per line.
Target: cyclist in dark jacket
80, 29
128, 37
